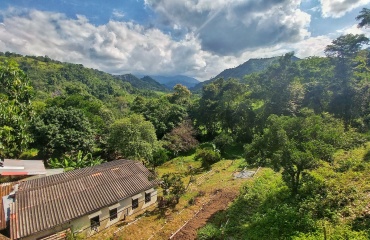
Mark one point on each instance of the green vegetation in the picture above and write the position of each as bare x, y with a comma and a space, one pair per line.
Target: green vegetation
308, 120
74, 161
331, 204
15, 110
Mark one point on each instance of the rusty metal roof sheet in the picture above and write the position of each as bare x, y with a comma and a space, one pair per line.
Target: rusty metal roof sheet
5, 189
53, 200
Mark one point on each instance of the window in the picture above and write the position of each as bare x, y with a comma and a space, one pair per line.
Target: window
113, 214
135, 203
95, 223
148, 197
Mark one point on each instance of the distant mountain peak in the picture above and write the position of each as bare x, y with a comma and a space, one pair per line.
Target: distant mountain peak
145, 82
171, 81
251, 66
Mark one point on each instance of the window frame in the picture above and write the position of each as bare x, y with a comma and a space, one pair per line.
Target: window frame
113, 214
135, 203
94, 225
148, 197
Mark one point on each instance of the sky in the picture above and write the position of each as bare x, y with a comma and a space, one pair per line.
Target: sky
196, 38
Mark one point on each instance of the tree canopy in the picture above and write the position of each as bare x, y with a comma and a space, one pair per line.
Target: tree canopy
296, 144
133, 137
15, 110
58, 131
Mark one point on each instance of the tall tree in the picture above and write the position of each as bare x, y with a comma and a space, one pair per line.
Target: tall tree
133, 137
160, 112
15, 110
364, 18
181, 138
346, 46
342, 51
181, 95
296, 144
58, 131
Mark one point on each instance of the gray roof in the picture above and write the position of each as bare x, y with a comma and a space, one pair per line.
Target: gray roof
22, 167
53, 200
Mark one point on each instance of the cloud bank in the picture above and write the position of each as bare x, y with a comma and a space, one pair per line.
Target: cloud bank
337, 8
228, 27
206, 36
116, 47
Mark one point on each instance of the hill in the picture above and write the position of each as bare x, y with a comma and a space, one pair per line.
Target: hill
171, 81
146, 82
248, 67
50, 78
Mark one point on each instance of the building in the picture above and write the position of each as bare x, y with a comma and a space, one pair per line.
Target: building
15, 167
85, 200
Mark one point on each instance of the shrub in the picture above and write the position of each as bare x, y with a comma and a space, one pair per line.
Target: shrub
223, 141
209, 231
207, 156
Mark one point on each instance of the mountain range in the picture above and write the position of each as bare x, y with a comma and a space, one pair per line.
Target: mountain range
46, 72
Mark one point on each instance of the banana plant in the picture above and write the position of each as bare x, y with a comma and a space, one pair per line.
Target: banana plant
72, 161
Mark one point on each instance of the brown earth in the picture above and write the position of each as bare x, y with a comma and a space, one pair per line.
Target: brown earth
218, 202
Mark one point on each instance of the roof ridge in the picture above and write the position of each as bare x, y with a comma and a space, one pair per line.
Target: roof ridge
41, 182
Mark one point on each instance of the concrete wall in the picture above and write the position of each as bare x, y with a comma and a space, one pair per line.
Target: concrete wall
82, 226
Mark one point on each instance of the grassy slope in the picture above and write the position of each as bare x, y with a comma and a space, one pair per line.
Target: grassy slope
334, 202
160, 225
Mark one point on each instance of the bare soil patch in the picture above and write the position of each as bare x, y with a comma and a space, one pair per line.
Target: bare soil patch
219, 201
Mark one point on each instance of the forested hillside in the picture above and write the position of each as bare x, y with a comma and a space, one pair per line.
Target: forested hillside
249, 67
308, 121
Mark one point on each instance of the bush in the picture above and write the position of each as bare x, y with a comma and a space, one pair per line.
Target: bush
209, 231
223, 141
207, 156
29, 154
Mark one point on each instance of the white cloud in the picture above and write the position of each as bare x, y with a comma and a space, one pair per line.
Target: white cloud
118, 14
116, 47
337, 8
314, 46
228, 27
355, 30
125, 47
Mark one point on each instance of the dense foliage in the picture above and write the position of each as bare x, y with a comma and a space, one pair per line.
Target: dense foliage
15, 110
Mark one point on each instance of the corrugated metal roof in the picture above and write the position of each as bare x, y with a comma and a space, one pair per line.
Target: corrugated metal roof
5, 189
22, 167
53, 200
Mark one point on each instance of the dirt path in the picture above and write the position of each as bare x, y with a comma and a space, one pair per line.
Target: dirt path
219, 201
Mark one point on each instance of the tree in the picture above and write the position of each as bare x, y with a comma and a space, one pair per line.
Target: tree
364, 18
58, 131
133, 137
15, 110
181, 95
296, 144
181, 138
173, 187
343, 51
217, 108
346, 46
161, 113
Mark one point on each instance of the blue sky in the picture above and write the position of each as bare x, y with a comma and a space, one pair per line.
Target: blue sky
197, 38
